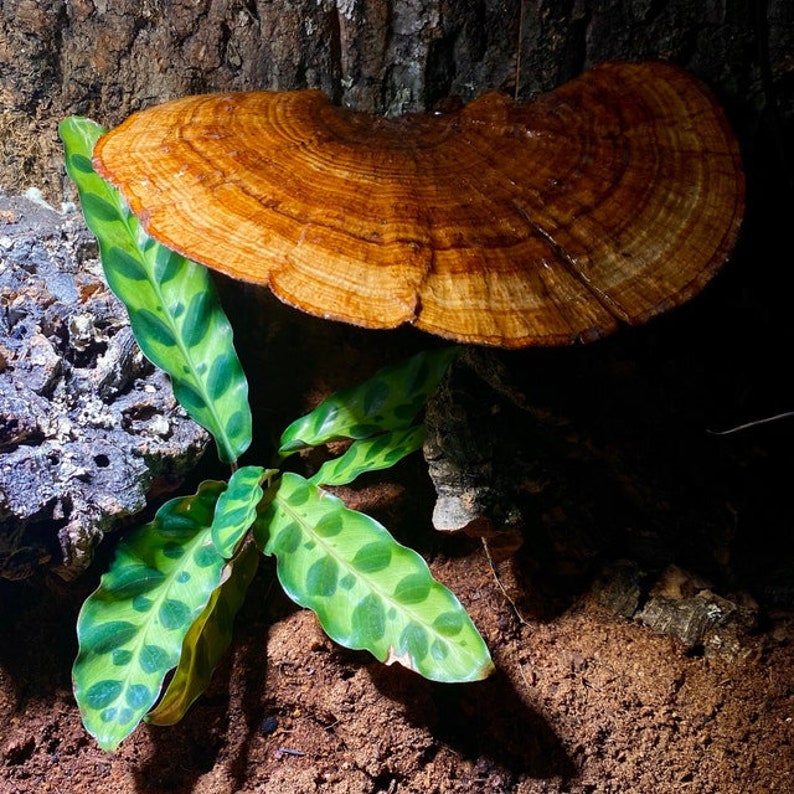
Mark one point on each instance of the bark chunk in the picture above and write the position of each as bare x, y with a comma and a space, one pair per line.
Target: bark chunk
88, 428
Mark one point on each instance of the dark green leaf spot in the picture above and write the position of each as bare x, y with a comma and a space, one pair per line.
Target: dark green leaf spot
329, 525
206, 555
237, 424
105, 637
174, 614
299, 495
173, 550
287, 540
412, 589
119, 262
449, 623
99, 208
377, 446
121, 657
439, 650
414, 640
325, 417
321, 578
132, 580
190, 398
364, 430
405, 412
176, 524
195, 323
141, 603
166, 264
102, 694
236, 517
219, 378
154, 659
375, 396
81, 163
138, 696
148, 326
125, 715
347, 582
393, 455
373, 557
368, 621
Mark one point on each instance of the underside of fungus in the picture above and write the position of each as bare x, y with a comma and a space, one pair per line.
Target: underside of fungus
609, 200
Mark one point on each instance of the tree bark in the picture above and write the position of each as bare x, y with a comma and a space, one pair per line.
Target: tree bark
106, 59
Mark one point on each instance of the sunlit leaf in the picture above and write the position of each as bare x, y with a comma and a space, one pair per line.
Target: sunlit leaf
390, 400
236, 509
370, 454
173, 309
368, 591
131, 629
207, 640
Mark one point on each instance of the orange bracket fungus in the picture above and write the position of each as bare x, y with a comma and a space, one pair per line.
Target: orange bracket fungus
608, 200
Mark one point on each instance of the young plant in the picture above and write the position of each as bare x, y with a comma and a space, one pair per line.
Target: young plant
169, 599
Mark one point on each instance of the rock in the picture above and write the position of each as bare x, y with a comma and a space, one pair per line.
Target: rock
89, 430
684, 606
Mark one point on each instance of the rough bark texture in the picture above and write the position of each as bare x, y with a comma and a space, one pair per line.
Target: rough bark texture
88, 429
107, 59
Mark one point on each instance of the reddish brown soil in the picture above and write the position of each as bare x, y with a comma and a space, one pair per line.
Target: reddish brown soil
585, 702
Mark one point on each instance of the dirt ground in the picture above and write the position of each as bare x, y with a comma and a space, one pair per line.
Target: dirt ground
584, 702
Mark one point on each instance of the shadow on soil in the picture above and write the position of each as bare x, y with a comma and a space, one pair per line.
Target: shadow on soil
489, 720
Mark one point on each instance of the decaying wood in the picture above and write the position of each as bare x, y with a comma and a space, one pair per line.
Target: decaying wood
88, 428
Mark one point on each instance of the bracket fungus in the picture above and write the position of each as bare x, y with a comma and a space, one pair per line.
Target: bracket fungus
608, 200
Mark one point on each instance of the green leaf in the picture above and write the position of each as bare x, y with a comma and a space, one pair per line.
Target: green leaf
173, 308
236, 509
131, 629
370, 454
390, 400
368, 591
207, 640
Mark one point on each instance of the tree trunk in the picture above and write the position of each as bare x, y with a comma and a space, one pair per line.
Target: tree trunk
106, 59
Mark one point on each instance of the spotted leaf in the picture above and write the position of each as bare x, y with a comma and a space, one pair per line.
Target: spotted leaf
368, 591
173, 309
236, 509
370, 454
390, 400
207, 640
131, 629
